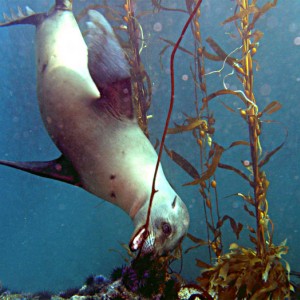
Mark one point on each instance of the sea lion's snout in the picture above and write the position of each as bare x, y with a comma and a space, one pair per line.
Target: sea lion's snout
143, 240
168, 226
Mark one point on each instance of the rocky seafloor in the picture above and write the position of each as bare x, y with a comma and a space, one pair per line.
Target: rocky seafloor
98, 287
144, 278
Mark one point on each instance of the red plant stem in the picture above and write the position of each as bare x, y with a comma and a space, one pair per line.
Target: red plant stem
153, 190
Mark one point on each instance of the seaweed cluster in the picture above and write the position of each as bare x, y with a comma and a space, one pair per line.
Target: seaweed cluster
242, 274
148, 277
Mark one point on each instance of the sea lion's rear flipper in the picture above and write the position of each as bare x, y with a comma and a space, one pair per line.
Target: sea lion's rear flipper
27, 17
108, 66
32, 18
59, 169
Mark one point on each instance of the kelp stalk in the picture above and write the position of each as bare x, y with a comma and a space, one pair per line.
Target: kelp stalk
254, 127
141, 84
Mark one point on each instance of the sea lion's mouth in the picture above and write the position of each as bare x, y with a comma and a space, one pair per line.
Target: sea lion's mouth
148, 245
143, 240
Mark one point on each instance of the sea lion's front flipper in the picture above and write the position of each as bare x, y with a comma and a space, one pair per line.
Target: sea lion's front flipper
108, 66
59, 169
27, 17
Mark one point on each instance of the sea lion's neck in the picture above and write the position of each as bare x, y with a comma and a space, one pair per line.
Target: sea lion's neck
136, 207
140, 205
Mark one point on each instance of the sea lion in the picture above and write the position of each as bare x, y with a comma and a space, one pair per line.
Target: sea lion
103, 149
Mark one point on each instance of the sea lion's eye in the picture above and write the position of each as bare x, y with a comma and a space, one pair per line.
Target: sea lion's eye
166, 228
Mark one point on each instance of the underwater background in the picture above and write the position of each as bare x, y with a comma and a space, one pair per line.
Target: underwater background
53, 235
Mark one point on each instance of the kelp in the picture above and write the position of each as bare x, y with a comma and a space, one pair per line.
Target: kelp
244, 273
251, 273
241, 274
141, 83
183, 163
223, 56
193, 123
157, 5
224, 92
216, 156
236, 227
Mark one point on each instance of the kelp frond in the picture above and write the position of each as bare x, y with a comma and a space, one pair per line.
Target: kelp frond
241, 274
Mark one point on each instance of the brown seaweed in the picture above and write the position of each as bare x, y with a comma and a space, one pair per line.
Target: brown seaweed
227, 278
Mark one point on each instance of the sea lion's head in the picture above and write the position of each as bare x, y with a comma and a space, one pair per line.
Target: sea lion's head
169, 221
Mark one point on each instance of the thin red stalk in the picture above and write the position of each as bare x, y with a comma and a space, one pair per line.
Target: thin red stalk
175, 48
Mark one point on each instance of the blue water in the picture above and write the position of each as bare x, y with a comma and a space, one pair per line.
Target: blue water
54, 235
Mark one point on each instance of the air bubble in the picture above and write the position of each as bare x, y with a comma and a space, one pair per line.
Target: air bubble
297, 41
157, 27
185, 77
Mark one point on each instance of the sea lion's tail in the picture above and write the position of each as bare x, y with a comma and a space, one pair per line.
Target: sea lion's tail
32, 18
63, 4
27, 17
